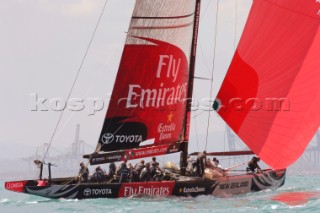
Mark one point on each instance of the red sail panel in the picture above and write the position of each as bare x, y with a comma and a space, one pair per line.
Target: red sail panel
270, 96
149, 96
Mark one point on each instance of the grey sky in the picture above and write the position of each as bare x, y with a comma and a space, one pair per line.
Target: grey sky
42, 43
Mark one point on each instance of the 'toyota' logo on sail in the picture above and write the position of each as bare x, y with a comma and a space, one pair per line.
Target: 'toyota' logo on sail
108, 138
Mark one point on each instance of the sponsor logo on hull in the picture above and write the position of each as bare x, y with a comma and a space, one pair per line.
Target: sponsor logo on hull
147, 188
97, 192
192, 189
16, 186
233, 185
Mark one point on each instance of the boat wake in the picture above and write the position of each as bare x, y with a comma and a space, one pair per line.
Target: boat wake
296, 198
4, 200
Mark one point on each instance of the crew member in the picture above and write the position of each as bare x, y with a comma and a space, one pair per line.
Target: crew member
191, 164
201, 162
253, 165
83, 173
124, 173
99, 175
154, 161
137, 171
43, 182
112, 171
216, 163
156, 172
145, 173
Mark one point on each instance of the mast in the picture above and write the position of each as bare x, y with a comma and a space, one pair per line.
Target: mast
184, 152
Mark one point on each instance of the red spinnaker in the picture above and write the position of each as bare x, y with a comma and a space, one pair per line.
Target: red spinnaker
270, 96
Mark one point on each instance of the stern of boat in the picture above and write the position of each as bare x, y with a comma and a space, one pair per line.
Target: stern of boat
19, 186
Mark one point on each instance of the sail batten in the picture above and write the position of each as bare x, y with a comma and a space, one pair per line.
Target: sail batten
162, 17
162, 27
270, 95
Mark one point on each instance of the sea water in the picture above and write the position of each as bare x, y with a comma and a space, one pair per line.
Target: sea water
299, 194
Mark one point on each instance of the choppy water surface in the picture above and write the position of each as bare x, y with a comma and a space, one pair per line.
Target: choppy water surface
299, 194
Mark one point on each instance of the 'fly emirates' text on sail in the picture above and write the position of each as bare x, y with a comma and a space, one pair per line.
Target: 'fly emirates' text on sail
163, 96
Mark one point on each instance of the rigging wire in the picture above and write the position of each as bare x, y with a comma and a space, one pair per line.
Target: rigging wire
235, 26
76, 77
84, 96
195, 125
213, 67
234, 48
200, 44
201, 78
196, 115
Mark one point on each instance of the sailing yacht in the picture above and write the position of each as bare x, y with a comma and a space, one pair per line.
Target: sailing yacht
269, 97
